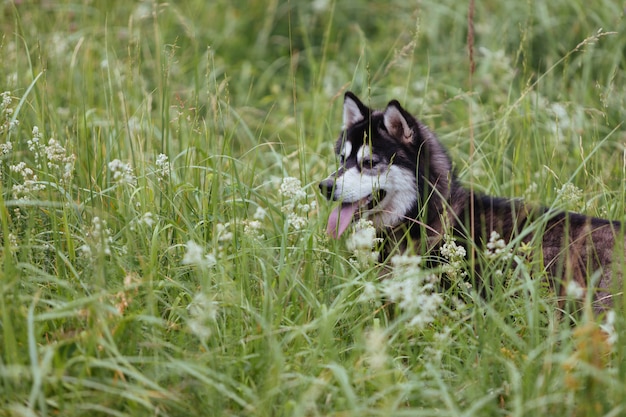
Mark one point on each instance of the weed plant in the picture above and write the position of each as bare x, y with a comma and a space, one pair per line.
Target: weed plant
162, 241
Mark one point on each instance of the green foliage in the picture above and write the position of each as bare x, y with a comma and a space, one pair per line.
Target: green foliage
162, 241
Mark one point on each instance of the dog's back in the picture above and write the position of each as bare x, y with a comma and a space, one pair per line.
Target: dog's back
574, 247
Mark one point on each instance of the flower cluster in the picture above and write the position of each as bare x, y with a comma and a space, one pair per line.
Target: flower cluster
413, 290
455, 255
294, 206
196, 255
291, 189
6, 100
163, 167
58, 160
202, 315
223, 233
122, 173
253, 228
376, 348
147, 220
30, 182
497, 248
570, 195
35, 146
52, 155
6, 148
98, 239
362, 241
574, 290
609, 328
566, 119
124, 297
6, 114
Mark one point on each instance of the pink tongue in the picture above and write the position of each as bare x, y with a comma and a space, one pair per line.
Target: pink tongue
340, 219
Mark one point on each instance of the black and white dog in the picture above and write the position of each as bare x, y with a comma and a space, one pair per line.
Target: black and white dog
395, 172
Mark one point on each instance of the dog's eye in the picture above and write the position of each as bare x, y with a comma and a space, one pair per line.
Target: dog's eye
369, 162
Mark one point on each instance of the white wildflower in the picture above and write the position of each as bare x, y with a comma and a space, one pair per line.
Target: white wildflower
497, 248
307, 207
195, 255
85, 250
259, 214
376, 348
21, 168
574, 290
58, 160
609, 327
451, 251
406, 264
203, 305
292, 192
430, 304
413, 290
296, 221
223, 235
13, 239
291, 189
370, 293
98, 239
200, 329
570, 194
568, 118
6, 100
6, 113
101, 235
364, 236
253, 229
147, 219
455, 256
30, 182
202, 315
54, 152
35, 146
121, 172
6, 148
362, 241
320, 6
444, 335
163, 167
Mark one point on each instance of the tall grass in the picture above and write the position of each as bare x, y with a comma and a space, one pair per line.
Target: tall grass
165, 253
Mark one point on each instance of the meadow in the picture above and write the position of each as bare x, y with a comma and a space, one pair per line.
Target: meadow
162, 237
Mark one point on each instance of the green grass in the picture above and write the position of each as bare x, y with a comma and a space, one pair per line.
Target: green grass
105, 311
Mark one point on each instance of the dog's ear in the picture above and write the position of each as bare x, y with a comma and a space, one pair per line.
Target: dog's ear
396, 123
354, 110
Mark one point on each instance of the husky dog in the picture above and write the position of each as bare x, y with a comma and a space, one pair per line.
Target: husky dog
395, 172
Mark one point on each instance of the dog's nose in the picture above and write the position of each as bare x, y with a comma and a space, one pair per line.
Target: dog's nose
326, 188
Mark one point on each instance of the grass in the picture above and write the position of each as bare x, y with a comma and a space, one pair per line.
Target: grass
151, 264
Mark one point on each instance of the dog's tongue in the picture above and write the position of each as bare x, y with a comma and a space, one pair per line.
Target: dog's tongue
340, 219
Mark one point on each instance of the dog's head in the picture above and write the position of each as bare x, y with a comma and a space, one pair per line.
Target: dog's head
382, 166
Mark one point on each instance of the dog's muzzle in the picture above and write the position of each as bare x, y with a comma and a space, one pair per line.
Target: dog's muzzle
347, 212
327, 188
